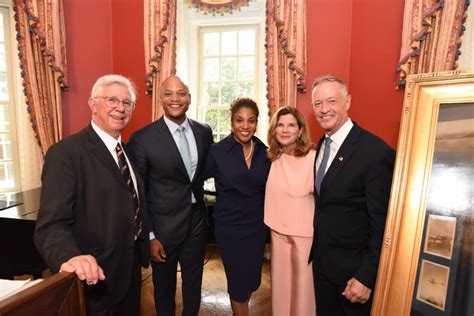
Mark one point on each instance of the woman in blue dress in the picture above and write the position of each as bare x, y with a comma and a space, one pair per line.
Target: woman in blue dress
239, 166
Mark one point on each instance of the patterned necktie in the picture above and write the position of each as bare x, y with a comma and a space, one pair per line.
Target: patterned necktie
125, 170
322, 167
183, 147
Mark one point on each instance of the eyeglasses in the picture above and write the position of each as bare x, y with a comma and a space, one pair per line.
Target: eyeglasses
113, 102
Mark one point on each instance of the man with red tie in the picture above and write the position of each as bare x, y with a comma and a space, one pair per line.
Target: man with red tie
92, 215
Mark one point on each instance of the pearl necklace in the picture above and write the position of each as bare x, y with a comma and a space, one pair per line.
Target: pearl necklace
251, 151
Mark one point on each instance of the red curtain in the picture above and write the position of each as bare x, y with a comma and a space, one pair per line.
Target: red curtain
42, 51
430, 37
160, 47
286, 52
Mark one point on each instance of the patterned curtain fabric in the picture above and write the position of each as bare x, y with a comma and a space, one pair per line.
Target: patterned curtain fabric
217, 6
30, 156
42, 52
430, 36
286, 52
160, 48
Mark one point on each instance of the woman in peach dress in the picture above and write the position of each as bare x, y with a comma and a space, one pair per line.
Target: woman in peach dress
289, 212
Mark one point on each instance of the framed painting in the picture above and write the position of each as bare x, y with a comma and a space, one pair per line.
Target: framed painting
426, 265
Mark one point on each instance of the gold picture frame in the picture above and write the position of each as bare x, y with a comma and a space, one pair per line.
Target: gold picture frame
437, 122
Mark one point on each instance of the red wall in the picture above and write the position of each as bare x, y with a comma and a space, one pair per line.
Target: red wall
129, 56
328, 48
89, 54
376, 39
358, 41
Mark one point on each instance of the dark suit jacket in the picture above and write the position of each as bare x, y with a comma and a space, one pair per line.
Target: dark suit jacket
352, 207
86, 207
168, 187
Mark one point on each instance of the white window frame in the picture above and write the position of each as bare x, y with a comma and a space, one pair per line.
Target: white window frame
220, 29
10, 42
189, 22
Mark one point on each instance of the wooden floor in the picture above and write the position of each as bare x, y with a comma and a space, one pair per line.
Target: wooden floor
214, 298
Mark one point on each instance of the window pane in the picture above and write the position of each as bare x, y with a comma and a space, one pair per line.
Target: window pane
229, 43
211, 44
246, 68
224, 121
247, 42
3, 60
2, 30
6, 174
3, 172
229, 65
219, 120
3, 87
211, 69
246, 89
210, 117
227, 93
5, 147
211, 93
8, 167
4, 121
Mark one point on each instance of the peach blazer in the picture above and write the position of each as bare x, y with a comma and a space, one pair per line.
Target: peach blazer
289, 199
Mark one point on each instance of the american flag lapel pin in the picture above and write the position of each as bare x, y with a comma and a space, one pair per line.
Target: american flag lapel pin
341, 158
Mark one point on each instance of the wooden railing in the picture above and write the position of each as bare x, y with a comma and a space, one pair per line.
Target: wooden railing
60, 294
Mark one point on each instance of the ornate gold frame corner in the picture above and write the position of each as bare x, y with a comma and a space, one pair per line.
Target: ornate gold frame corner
406, 216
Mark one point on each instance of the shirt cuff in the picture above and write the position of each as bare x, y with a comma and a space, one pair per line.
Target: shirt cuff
152, 235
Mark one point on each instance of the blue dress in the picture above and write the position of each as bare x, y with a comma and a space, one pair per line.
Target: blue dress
238, 213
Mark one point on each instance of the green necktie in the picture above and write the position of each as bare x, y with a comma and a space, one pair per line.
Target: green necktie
183, 147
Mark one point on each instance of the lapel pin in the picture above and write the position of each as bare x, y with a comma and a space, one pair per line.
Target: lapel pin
341, 158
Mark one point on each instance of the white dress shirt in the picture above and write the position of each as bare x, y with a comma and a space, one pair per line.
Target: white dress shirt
337, 140
111, 143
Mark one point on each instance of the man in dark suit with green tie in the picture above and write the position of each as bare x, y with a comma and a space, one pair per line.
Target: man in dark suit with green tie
352, 187
92, 217
170, 154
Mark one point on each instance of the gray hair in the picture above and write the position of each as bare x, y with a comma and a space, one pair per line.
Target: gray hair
108, 80
330, 78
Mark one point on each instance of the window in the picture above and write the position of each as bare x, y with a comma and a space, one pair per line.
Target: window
228, 69
221, 58
9, 166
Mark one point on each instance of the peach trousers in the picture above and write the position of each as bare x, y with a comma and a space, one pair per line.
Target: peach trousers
292, 276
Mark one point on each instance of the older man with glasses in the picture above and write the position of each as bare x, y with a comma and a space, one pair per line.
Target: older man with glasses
92, 215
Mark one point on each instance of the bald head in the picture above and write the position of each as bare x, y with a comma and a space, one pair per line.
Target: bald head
175, 79
175, 99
